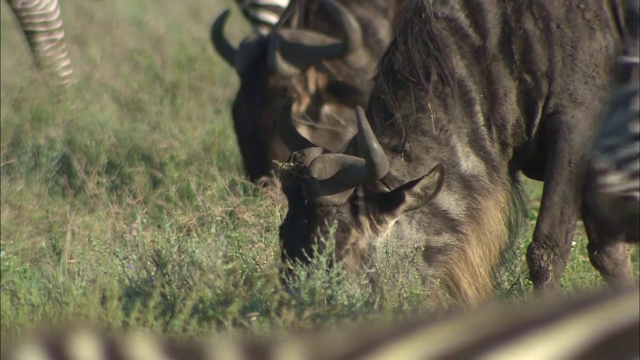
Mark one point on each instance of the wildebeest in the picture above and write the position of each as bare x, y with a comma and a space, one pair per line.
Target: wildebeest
613, 180
467, 95
543, 329
312, 70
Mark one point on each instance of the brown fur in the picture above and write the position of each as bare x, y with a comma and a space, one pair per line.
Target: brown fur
468, 271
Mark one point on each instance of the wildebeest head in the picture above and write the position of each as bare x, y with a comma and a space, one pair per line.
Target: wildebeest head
295, 75
326, 189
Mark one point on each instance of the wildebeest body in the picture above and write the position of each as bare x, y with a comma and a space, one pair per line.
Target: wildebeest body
483, 89
525, 80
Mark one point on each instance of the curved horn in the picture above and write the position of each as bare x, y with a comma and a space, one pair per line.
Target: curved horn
370, 150
307, 156
332, 177
353, 40
290, 51
275, 60
220, 42
336, 175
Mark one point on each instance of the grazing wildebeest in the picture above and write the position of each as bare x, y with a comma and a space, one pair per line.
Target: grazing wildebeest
310, 70
543, 329
467, 95
613, 180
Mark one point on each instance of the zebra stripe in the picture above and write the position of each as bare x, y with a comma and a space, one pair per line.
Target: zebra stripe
613, 187
263, 14
616, 157
41, 23
602, 325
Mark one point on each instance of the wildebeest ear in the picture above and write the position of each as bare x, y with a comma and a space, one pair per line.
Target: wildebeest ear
415, 193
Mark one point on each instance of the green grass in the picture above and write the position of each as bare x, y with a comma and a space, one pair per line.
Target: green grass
123, 200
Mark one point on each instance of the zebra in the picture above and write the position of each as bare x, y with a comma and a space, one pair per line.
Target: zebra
263, 14
593, 325
41, 23
613, 181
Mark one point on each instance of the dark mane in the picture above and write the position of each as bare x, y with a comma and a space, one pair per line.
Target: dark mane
416, 61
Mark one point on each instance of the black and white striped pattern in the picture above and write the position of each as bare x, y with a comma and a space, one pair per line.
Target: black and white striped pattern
41, 23
263, 14
604, 325
613, 184
616, 155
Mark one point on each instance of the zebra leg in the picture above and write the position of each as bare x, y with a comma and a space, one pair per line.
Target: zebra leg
607, 251
41, 23
263, 14
612, 193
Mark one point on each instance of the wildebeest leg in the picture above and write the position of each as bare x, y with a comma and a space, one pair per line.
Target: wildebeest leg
549, 251
608, 254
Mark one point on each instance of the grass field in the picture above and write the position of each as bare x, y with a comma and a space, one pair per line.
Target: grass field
123, 200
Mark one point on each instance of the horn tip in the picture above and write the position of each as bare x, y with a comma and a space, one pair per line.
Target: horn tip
438, 168
220, 20
220, 43
225, 12
222, 17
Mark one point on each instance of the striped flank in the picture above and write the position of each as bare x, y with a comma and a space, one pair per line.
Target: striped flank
603, 325
616, 157
263, 14
613, 184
